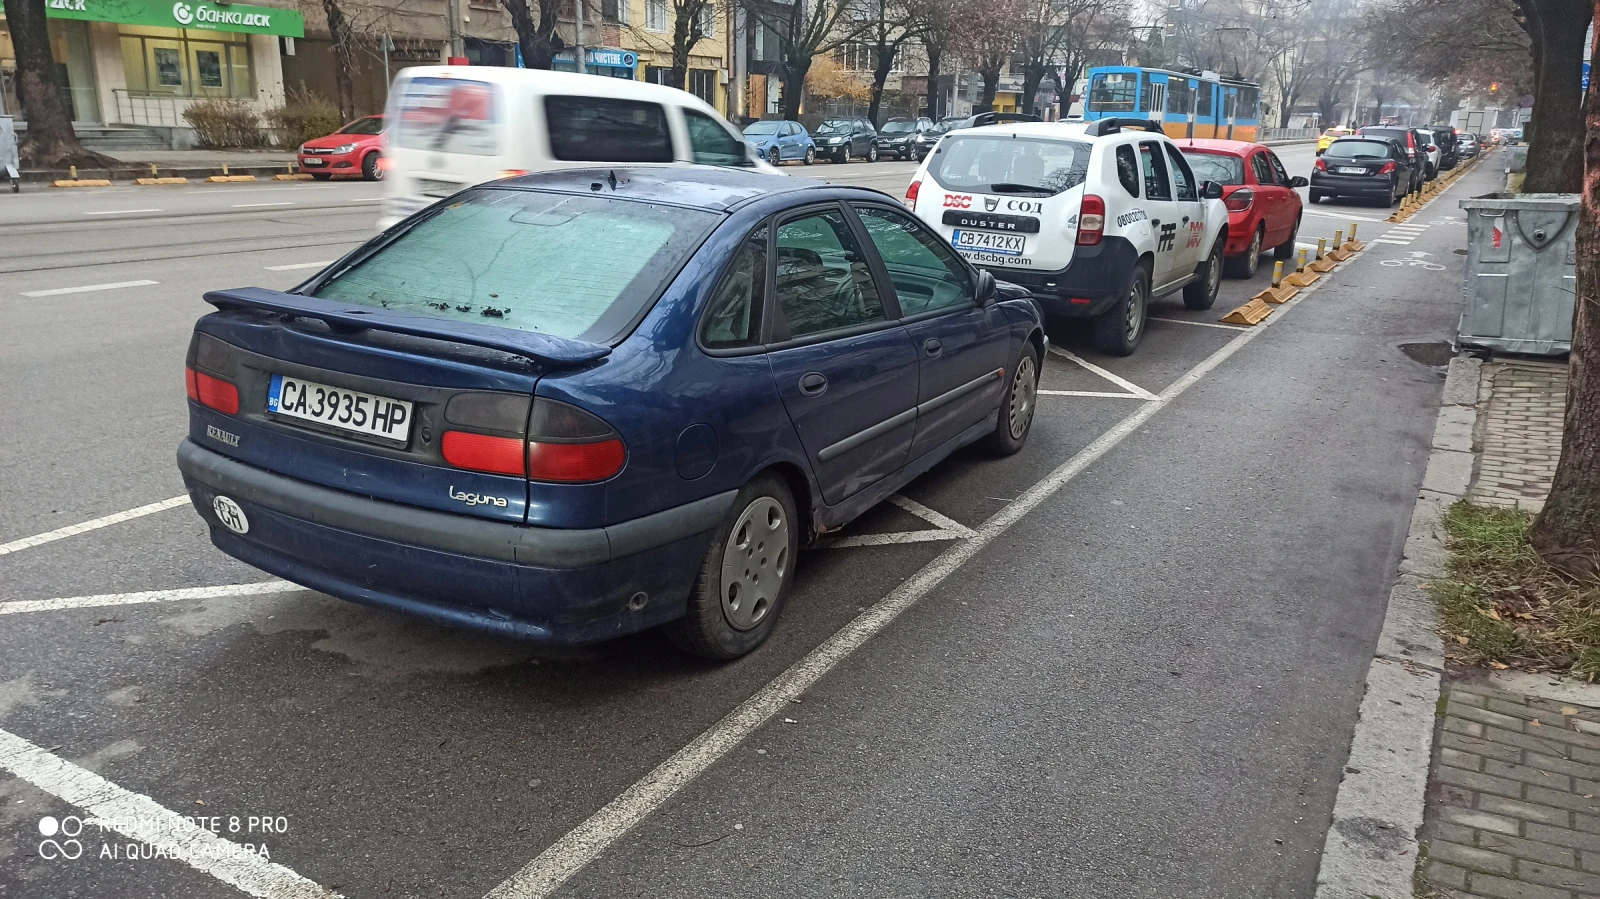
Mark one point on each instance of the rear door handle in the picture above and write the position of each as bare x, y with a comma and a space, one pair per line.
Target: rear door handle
813, 384
932, 346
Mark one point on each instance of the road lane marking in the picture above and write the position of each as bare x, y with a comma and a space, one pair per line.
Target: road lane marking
87, 288
1094, 393
1118, 380
1184, 321
298, 265
139, 817
1398, 243
93, 524
246, 190
586, 842
256, 205
18, 607
121, 211
1340, 215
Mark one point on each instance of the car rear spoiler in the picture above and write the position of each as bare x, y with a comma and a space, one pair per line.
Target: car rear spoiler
545, 348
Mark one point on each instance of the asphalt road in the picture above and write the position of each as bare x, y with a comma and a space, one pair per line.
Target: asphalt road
1125, 662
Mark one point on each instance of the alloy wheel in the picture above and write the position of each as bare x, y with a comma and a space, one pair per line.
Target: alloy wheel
1253, 255
1024, 392
755, 561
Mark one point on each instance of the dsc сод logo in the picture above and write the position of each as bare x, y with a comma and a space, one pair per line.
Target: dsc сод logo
183, 12
957, 201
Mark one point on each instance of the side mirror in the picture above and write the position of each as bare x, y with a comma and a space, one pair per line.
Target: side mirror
1211, 190
1298, 181
986, 288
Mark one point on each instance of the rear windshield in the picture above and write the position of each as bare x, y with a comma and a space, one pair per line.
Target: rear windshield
1000, 164
528, 260
1216, 167
449, 115
1358, 148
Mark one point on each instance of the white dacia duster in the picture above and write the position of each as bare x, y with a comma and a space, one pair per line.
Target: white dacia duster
1094, 218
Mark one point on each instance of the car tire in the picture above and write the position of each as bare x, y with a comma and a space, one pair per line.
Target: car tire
1018, 403
1317, 196
842, 157
810, 157
872, 154
1118, 330
1285, 250
1245, 266
321, 176
370, 171
730, 613
774, 157
1201, 293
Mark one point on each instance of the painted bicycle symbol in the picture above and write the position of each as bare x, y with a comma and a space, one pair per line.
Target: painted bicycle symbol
1415, 257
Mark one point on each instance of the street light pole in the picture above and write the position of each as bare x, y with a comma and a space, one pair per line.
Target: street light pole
453, 10
578, 52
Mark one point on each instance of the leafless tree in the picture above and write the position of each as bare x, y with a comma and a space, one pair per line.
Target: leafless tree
804, 30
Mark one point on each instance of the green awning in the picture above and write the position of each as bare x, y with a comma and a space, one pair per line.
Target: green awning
193, 14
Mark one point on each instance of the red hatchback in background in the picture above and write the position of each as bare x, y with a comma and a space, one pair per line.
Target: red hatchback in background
1263, 208
354, 149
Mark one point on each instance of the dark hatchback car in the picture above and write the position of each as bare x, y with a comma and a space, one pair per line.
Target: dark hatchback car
528, 443
1362, 167
841, 139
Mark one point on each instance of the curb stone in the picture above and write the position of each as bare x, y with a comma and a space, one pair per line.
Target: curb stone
1371, 848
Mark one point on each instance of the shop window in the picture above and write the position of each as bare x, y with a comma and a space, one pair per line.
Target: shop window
179, 63
703, 84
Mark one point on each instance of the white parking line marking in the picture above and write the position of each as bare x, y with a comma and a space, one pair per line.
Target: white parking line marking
1094, 393
148, 596
944, 528
584, 843
1398, 243
1118, 380
254, 205
1184, 321
93, 524
298, 265
1341, 215
142, 818
121, 211
937, 519
87, 288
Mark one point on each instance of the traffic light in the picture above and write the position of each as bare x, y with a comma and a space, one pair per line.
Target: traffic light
1494, 87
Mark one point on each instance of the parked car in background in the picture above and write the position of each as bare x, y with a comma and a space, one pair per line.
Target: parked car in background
1331, 135
1410, 141
898, 137
1448, 139
841, 139
1432, 153
1368, 167
531, 444
926, 140
355, 149
450, 127
1263, 208
1470, 145
780, 141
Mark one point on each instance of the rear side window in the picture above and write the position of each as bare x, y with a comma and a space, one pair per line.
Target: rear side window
734, 317
1128, 169
710, 143
603, 129
449, 115
978, 163
527, 260
1215, 167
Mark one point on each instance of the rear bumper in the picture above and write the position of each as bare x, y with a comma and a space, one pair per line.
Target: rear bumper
549, 585
1087, 287
1241, 230
1353, 185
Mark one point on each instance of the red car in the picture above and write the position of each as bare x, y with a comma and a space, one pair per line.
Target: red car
354, 149
1263, 208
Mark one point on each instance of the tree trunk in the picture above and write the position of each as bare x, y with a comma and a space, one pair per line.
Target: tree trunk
880, 76
49, 142
344, 59
1567, 533
1555, 132
935, 95
1032, 74
991, 84
536, 37
794, 85
685, 34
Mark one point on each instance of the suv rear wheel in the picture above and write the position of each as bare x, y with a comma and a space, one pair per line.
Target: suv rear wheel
1118, 330
1202, 291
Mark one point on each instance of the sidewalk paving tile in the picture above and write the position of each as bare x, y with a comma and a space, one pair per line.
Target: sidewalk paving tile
1522, 405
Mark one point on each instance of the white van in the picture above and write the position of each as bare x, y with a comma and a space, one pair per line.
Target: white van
451, 127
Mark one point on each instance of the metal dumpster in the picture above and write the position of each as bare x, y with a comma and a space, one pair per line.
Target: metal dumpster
8, 153
1521, 252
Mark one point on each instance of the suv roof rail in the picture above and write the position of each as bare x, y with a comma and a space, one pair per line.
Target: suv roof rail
1114, 124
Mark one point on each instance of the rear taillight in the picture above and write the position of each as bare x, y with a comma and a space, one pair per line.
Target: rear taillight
213, 393
1321, 164
911, 193
1091, 221
1388, 169
1240, 200
555, 442
511, 173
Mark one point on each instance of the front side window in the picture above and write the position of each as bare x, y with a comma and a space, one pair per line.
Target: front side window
734, 317
927, 275
710, 143
1009, 165
1157, 186
823, 282
1113, 92
528, 260
604, 129
1182, 178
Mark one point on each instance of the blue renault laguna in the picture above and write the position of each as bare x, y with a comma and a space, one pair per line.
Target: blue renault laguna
578, 404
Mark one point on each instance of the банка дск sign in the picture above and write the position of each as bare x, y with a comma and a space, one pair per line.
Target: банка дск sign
182, 14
